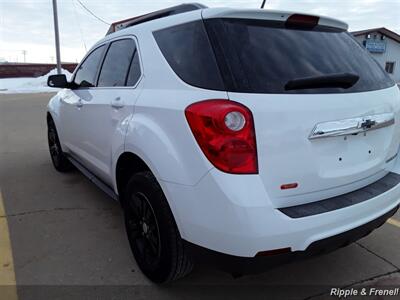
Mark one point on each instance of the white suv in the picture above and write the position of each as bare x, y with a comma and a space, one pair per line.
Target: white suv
253, 137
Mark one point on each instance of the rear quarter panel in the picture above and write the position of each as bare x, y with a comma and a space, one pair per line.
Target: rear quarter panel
158, 131
161, 136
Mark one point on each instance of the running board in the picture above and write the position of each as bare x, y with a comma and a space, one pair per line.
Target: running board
93, 178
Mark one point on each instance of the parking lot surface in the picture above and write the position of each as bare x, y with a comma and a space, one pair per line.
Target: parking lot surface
67, 238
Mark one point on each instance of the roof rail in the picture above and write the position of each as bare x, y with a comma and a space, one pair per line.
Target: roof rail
174, 10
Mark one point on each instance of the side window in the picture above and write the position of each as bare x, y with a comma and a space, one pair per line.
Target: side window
134, 70
86, 74
116, 64
188, 51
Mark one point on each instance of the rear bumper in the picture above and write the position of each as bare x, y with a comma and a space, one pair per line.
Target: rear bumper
232, 214
245, 265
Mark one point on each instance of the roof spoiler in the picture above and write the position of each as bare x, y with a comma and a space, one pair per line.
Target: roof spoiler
174, 10
274, 15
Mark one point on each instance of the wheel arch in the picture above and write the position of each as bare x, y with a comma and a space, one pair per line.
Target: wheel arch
129, 163
49, 117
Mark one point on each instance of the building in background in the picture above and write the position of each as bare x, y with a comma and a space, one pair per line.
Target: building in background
13, 70
384, 45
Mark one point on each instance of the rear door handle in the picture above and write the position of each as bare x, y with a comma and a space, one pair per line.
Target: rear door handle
117, 103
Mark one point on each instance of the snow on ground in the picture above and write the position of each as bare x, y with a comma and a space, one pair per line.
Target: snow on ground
29, 84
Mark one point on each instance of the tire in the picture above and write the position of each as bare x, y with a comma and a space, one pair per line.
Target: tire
152, 232
60, 161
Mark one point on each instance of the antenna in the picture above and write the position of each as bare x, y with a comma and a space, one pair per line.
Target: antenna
263, 3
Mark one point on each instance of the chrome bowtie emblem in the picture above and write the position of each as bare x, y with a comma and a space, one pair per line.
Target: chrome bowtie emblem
351, 126
367, 124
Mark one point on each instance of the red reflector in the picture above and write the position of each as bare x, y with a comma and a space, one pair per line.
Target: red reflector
289, 186
274, 252
302, 21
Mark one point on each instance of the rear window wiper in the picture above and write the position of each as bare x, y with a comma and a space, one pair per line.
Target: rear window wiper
341, 80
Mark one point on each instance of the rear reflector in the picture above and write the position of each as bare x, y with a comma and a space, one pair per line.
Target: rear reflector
302, 21
274, 252
289, 186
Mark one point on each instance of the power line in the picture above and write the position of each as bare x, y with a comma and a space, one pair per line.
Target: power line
89, 11
79, 25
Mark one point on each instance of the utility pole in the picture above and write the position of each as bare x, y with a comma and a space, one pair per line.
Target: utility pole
24, 54
57, 37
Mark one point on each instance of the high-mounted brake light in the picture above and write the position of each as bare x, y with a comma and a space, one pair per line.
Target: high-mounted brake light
302, 21
224, 130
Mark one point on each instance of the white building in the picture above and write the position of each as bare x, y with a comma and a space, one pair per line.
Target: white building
384, 45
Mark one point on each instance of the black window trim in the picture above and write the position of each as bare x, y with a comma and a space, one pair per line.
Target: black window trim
107, 45
109, 42
98, 67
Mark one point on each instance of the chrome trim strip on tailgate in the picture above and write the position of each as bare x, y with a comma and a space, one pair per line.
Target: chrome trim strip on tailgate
351, 126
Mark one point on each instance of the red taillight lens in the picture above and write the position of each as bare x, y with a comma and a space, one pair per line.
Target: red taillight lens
224, 130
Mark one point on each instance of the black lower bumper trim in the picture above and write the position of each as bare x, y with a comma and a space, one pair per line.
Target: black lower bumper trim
366, 193
251, 265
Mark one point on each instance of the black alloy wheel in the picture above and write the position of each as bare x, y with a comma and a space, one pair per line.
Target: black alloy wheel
152, 231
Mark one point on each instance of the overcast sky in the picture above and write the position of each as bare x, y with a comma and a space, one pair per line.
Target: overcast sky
28, 24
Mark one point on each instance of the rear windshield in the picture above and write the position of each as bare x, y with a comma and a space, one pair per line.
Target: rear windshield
262, 57
257, 56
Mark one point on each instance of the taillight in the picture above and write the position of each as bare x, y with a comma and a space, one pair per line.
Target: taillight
224, 130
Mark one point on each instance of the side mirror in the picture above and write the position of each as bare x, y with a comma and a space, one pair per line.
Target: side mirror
58, 81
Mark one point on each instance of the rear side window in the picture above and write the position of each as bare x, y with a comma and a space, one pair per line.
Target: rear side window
116, 64
134, 70
188, 51
257, 56
86, 74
